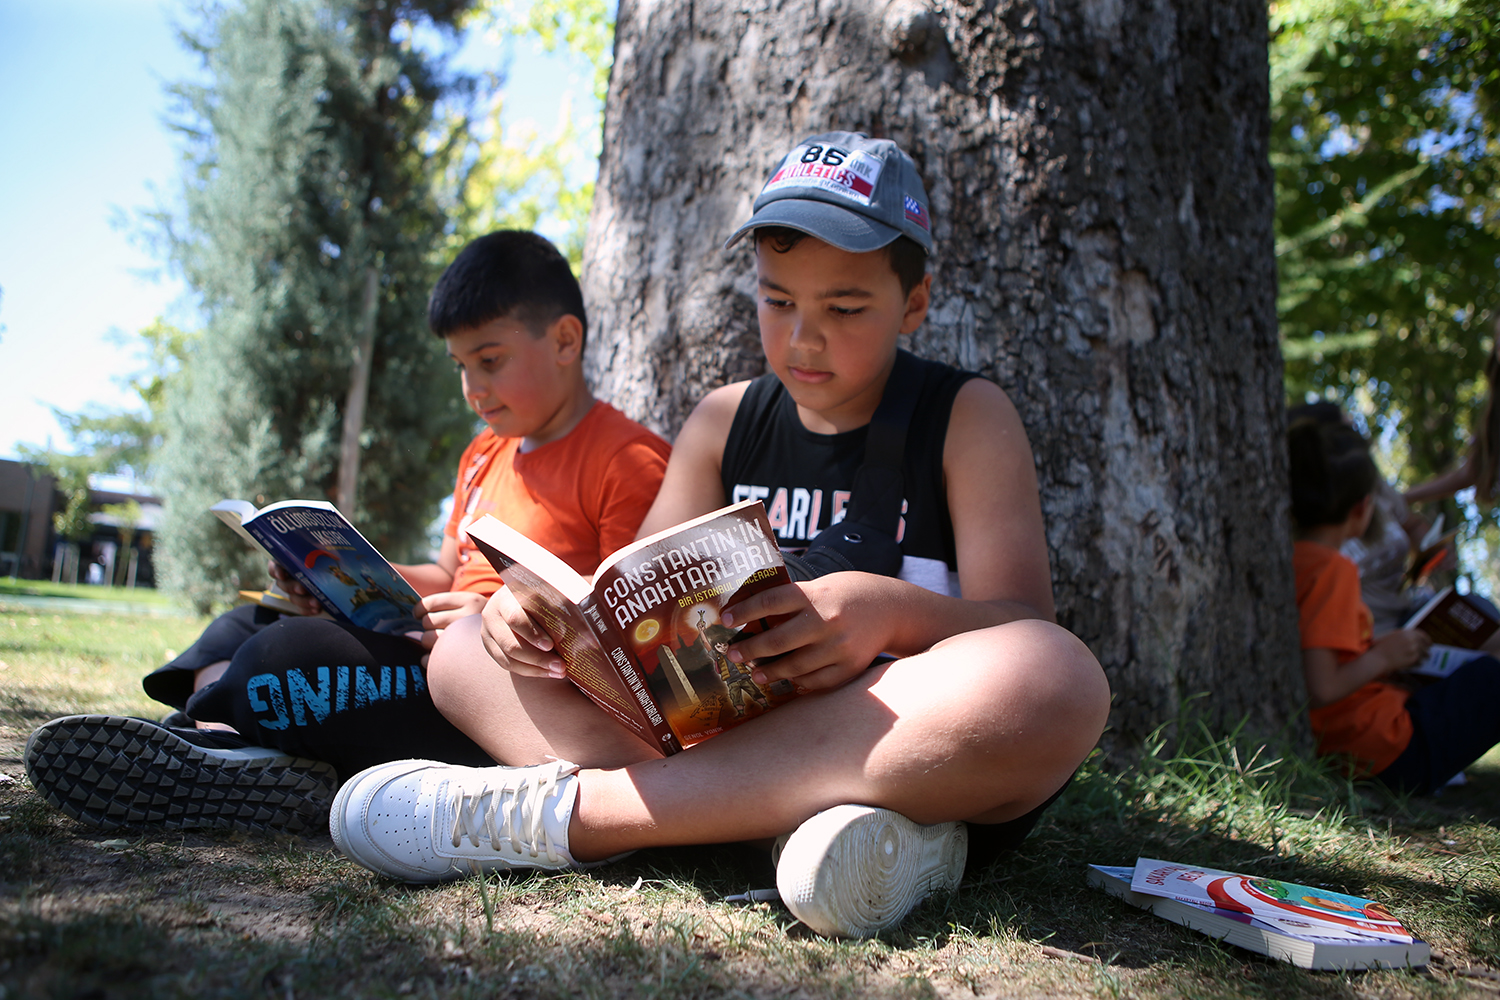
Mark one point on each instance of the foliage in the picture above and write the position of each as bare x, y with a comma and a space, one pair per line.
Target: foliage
518, 178
1385, 132
583, 27
306, 166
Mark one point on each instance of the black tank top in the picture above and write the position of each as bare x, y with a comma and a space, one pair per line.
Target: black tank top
804, 478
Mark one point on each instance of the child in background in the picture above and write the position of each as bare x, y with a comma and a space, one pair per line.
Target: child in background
557, 465
1384, 551
892, 772
1412, 741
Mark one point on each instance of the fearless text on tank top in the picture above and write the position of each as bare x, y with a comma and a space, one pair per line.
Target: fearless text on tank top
804, 478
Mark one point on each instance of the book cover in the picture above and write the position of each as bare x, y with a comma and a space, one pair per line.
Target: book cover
1293, 908
1307, 949
315, 543
1452, 619
644, 639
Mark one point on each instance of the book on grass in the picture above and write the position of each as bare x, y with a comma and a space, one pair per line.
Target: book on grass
644, 639
1458, 625
1308, 927
317, 545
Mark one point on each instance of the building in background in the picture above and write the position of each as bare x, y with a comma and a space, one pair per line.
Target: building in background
28, 496
117, 551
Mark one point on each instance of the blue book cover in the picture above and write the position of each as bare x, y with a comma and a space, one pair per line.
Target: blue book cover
317, 545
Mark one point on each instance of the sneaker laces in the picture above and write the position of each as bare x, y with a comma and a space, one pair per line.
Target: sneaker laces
517, 802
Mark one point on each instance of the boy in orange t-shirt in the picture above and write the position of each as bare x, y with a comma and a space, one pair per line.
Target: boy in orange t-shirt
1411, 741
304, 693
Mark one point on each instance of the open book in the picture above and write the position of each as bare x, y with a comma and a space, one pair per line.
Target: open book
311, 540
1310, 927
644, 639
1458, 626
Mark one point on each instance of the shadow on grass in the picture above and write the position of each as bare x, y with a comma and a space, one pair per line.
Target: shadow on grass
654, 925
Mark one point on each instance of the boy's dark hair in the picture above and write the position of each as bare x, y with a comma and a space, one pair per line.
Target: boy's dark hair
1321, 411
510, 272
906, 255
1331, 472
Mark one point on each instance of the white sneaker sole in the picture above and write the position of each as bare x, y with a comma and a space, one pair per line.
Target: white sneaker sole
854, 871
111, 772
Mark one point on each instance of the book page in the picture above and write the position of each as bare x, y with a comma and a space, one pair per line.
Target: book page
562, 617
1443, 660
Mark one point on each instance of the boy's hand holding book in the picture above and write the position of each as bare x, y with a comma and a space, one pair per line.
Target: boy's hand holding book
437, 611
292, 590
1403, 648
824, 632
647, 638
516, 642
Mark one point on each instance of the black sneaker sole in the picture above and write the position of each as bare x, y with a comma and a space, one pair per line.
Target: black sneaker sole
111, 772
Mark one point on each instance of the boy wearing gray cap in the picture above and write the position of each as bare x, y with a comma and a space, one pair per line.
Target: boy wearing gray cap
946, 709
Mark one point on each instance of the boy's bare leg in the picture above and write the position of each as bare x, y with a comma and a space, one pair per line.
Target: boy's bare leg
202, 678
522, 720
985, 726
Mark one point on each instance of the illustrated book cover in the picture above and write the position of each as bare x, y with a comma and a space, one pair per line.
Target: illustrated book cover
644, 639
1308, 927
315, 543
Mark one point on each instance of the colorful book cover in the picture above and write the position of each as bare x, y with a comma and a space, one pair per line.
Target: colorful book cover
317, 545
1307, 943
1287, 906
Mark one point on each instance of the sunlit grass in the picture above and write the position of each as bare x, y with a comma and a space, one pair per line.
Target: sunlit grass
46, 588
60, 664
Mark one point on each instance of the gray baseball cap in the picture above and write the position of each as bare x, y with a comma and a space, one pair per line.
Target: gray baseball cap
846, 189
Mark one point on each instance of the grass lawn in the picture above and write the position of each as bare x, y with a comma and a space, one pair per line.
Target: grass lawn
46, 588
89, 914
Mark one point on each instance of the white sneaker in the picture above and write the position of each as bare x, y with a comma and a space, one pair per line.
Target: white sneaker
854, 871
424, 821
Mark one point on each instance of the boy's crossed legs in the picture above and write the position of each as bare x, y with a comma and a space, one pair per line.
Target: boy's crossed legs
985, 727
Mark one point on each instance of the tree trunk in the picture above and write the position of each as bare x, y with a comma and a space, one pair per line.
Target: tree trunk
1102, 207
359, 394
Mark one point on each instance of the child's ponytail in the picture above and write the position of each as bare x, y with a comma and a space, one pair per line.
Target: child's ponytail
1331, 471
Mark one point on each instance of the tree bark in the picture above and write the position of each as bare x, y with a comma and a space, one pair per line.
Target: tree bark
1102, 208
359, 394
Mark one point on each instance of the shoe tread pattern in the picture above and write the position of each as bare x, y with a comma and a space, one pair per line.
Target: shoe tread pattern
854, 871
111, 773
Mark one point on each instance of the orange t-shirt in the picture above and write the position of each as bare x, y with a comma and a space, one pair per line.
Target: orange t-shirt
582, 496
1372, 724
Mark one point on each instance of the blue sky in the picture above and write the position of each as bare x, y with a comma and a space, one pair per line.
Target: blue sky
84, 149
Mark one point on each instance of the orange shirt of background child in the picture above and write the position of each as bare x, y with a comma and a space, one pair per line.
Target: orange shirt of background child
1371, 725
582, 496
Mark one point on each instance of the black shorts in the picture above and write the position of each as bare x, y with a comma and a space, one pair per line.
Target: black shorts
989, 841
173, 683
1454, 722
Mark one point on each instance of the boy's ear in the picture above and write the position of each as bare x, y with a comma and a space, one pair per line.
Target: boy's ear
917, 301
1360, 512
566, 334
